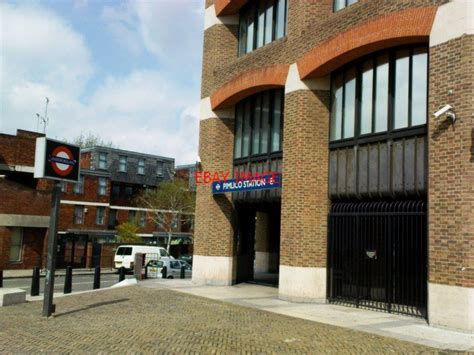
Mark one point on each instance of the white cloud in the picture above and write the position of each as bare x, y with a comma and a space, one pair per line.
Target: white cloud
43, 56
39, 47
165, 28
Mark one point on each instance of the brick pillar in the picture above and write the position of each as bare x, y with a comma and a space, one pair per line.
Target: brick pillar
213, 261
305, 190
451, 170
262, 246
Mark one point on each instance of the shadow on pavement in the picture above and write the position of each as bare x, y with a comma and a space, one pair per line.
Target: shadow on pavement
95, 305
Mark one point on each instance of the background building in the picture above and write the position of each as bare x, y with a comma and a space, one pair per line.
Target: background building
24, 203
90, 210
338, 95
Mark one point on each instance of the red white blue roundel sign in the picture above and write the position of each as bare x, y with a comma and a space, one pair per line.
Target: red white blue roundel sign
56, 160
62, 161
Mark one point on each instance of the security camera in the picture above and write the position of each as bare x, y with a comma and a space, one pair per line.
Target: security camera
442, 111
198, 159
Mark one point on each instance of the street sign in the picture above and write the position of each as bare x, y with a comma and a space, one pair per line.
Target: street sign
265, 182
61, 162
57, 160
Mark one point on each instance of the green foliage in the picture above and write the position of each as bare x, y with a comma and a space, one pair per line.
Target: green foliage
127, 233
171, 201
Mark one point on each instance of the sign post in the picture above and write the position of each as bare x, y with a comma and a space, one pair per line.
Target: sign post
48, 307
60, 162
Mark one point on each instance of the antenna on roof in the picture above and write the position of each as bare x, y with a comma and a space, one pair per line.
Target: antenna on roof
44, 120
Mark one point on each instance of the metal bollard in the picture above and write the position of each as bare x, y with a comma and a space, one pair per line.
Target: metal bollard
183, 272
1, 278
121, 274
68, 280
35, 282
97, 278
164, 272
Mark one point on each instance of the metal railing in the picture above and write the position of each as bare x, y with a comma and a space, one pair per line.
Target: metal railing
377, 256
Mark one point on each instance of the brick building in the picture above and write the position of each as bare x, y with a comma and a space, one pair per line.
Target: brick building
92, 209
24, 203
89, 211
376, 204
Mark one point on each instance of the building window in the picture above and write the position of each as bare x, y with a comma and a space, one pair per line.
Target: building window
63, 186
128, 191
112, 218
16, 243
115, 190
102, 160
78, 214
142, 219
340, 4
123, 163
159, 168
262, 22
100, 215
132, 216
79, 186
141, 167
380, 94
259, 124
102, 187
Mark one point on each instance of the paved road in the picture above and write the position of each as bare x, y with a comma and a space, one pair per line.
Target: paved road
79, 282
141, 320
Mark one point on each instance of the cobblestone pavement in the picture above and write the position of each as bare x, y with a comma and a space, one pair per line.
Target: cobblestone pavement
140, 320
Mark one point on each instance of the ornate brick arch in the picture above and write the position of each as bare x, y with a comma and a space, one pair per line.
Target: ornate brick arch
248, 83
402, 27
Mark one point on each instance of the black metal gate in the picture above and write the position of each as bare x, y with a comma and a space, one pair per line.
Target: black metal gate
378, 255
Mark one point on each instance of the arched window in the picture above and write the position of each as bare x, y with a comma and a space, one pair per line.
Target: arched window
259, 124
383, 94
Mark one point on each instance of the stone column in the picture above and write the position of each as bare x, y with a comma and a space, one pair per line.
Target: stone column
305, 190
451, 168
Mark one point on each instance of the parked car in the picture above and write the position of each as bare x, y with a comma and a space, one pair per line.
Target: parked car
186, 257
125, 255
173, 268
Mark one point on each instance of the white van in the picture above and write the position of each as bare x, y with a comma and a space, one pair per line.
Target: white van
125, 255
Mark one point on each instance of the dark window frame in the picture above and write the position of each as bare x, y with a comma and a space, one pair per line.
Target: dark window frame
104, 161
141, 166
346, 4
269, 154
391, 132
101, 188
252, 8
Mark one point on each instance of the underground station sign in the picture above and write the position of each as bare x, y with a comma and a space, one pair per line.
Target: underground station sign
56, 160
265, 182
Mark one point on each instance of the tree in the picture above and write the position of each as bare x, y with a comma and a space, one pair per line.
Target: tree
127, 233
169, 204
89, 139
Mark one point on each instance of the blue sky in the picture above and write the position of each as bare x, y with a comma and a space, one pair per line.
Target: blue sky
128, 71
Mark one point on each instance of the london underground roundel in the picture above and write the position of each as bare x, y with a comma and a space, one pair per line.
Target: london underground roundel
62, 161
56, 160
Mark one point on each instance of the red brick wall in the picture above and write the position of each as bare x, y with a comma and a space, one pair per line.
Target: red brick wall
19, 149
86, 160
19, 199
32, 248
451, 168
